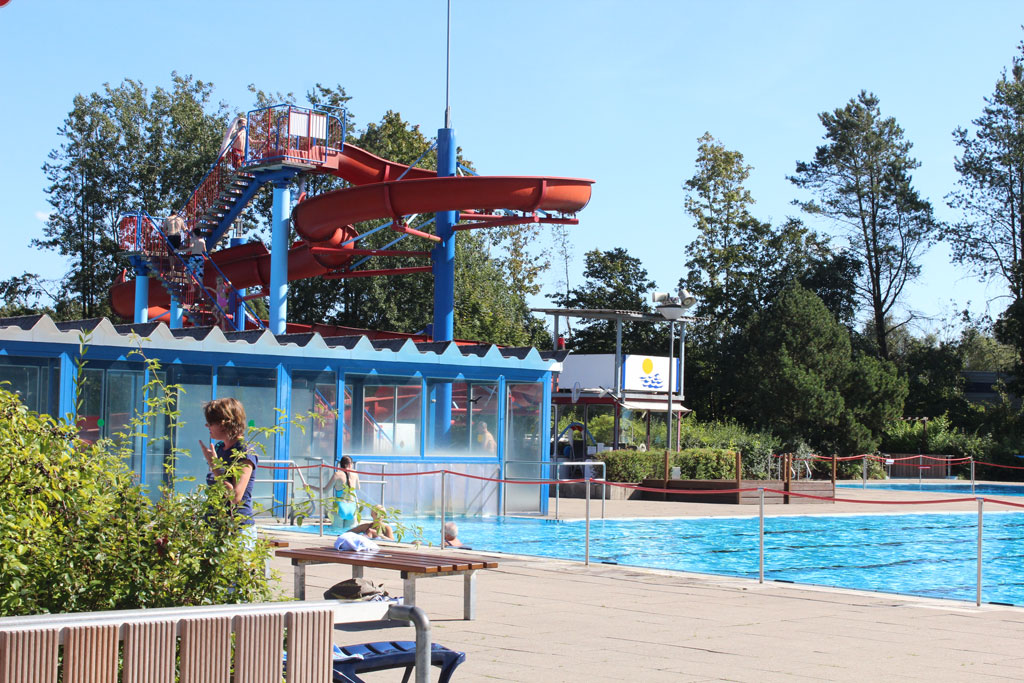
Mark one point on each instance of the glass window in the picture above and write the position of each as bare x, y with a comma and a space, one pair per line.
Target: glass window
314, 417
524, 446
474, 418
29, 378
195, 387
383, 415
633, 428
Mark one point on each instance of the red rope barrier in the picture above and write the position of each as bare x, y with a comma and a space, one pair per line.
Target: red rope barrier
992, 464
698, 492
873, 502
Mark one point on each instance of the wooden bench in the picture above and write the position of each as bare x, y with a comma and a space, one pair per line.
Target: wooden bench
413, 565
199, 644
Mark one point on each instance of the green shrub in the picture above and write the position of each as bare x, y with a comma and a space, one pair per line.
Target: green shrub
78, 534
694, 463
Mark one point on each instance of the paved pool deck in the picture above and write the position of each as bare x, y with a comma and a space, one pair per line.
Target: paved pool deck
552, 620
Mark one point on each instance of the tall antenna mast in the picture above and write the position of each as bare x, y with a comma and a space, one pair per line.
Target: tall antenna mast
448, 70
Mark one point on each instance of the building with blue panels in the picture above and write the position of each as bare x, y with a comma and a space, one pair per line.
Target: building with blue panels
376, 401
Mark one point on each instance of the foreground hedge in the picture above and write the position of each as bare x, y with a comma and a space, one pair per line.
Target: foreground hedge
78, 534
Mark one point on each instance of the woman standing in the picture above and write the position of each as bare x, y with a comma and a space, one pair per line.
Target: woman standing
346, 487
225, 419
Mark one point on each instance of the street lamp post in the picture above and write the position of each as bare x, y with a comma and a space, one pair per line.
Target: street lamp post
671, 308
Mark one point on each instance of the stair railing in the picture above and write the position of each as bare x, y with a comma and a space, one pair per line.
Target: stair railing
206, 194
248, 309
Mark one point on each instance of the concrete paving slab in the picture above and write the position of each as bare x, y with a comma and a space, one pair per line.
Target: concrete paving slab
552, 620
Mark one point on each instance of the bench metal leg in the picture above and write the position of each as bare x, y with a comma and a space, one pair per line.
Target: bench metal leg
300, 581
357, 571
409, 591
469, 595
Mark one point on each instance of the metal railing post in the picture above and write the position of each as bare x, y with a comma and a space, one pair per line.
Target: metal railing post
920, 470
604, 486
320, 495
760, 541
972, 474
586, 556
981, 515
443, 490
864, 471
558, 479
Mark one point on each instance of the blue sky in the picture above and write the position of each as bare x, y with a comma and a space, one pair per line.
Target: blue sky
614, 91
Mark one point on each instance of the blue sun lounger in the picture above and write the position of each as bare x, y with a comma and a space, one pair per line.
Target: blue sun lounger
352, 660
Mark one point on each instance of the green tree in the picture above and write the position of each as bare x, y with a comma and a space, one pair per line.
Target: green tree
614, 281
990, 238
862, 179
935, 382
121, 150
737, 266
23, 295
804, 382
982, 351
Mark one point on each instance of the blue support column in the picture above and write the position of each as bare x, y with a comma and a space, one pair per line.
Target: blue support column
443, 255
235, 303
66, 396
281, 439
500, 436
141, 289
442, 259
174, 315
546, 434
280, 213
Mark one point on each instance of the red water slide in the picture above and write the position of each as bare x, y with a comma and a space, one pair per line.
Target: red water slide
325, 222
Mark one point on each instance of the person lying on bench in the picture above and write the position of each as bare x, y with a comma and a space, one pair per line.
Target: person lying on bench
375, 528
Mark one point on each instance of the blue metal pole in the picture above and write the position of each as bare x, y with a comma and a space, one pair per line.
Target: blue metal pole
66, 396
282, 441
141, 292
280, 212
443, 255
236, 303
443, 268
174, 315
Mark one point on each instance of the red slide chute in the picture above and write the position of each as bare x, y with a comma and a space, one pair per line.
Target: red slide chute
325, 222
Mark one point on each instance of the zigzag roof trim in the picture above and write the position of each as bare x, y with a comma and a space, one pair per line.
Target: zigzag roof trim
101, 332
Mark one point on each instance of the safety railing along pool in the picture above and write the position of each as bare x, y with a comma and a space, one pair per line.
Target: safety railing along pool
941, 554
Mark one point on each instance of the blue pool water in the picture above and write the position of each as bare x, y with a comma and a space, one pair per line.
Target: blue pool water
961, 487
929, 555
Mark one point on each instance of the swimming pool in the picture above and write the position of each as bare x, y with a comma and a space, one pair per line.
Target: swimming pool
930, 555
961, 487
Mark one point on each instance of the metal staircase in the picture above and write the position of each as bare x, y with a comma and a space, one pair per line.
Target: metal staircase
275, 139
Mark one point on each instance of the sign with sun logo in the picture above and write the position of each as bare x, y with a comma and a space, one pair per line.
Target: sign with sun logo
648, 373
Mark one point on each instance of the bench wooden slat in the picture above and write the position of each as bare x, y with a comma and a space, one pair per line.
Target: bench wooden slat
149, 652
258, 646
309, 647
90, 654
28, 656
399, 560
205, 650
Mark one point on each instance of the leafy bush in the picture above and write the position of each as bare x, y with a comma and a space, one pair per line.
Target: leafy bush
907, 436
694, 463
78, 534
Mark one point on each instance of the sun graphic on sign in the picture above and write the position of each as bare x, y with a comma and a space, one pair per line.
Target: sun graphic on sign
648, 366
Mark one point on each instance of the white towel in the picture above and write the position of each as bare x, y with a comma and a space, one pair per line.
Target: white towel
353, 541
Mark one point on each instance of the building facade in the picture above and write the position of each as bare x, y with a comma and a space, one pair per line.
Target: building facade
323, 397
